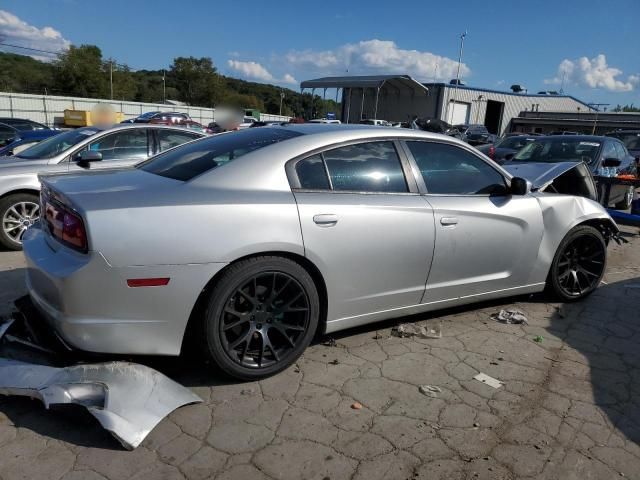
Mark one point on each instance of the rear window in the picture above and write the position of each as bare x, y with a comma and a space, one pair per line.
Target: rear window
193, 159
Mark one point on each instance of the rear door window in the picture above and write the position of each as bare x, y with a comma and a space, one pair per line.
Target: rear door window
366, 167
312, 173
172, 138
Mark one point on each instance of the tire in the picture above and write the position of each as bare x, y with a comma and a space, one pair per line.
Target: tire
17, 212
578, 265
253, 307
626, 203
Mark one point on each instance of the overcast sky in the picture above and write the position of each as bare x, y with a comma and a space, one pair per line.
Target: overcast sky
591, 47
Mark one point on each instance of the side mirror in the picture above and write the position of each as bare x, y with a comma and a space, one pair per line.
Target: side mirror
519, 186
87, 156
611, 162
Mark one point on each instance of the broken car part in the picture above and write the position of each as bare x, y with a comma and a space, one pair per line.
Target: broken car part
128, 399
511, 316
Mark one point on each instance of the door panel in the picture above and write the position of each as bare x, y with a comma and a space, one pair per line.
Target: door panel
483, 244
373, 250
120, 149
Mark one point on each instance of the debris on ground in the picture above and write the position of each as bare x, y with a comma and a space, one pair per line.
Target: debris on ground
334, 362
377, 336
330, 342
406, 330
562, 311
486, 379
511, 317
430, 390
476, 425
538, 339
356, 406
247, 391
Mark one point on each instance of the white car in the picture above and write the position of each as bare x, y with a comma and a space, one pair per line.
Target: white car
325, 120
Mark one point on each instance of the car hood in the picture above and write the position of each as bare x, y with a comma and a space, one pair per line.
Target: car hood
539, 174
111, 188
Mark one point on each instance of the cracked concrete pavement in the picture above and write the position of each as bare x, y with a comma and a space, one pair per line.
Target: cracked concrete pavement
569, 406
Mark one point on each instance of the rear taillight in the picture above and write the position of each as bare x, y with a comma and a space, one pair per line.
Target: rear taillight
492, 151
65, 225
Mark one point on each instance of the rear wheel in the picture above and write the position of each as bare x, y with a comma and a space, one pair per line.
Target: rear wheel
17, 213
579, 264
262, 314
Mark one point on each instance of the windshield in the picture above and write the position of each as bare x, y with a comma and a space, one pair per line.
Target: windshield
57, 144
630, 140
193, 159
515, 143
559, 149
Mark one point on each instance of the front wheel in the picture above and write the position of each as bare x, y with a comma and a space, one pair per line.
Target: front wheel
17, 213
262, 314
625, 204
579, 264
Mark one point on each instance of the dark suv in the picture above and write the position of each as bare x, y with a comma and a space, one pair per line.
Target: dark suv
631, 140
475, 134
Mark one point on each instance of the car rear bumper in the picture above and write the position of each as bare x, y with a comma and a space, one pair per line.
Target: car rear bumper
90, 306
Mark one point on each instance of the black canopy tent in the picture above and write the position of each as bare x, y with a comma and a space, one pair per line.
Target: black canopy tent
363, 82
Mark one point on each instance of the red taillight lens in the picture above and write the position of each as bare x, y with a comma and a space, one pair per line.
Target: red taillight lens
73, 232
492, 151
66, 226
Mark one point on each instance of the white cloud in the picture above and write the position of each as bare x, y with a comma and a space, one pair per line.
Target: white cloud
375, 57
251, 70
18, 32
594, 73
256, 71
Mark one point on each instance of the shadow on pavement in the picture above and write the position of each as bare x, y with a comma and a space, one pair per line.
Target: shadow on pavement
599, 362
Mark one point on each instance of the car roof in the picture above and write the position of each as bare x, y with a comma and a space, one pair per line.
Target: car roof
593, 138
158, 126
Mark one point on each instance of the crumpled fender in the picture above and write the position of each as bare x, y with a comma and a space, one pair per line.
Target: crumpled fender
561, 213
128, 399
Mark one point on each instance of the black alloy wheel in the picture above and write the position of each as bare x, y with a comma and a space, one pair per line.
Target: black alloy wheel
579, 264
262, 314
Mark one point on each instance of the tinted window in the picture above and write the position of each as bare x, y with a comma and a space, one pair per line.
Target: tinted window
170, 138
620, 150
609, 150
366, 167
58, 144
447, 169
312, 174
6, 135
559, 149
514, 142
193, 159
128, 144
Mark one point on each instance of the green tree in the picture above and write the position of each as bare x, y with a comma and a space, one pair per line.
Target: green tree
79, 72
197, 81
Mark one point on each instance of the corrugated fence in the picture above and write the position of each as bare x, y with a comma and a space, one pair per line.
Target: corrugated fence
50, 109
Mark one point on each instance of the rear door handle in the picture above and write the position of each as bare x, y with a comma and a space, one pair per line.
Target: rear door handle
325, 219
447, 221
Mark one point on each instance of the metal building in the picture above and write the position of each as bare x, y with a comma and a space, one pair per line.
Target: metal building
400, 98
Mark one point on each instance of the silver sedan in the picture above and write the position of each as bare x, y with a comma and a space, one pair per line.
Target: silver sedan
77, 150
257, 240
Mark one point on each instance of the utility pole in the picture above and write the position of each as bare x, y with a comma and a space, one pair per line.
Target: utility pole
164, 86
111, 77
455, 87
596, 107
281, 98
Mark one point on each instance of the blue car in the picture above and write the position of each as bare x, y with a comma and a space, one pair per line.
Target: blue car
23, 140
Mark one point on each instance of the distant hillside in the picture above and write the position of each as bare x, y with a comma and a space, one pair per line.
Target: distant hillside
82, 72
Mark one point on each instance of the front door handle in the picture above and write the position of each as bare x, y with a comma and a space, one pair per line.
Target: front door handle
448, 221
325, 219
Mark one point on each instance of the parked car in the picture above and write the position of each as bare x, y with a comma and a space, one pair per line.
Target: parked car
286, 232
435, 125
23, 124
24, 140
505, 148
80, 150
590, 149
165, 118
189, 124
375, 121
631, 140
246, 122
325, 120
475, 134
11, 132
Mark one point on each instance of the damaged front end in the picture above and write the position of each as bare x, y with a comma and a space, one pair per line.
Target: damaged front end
128, 399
